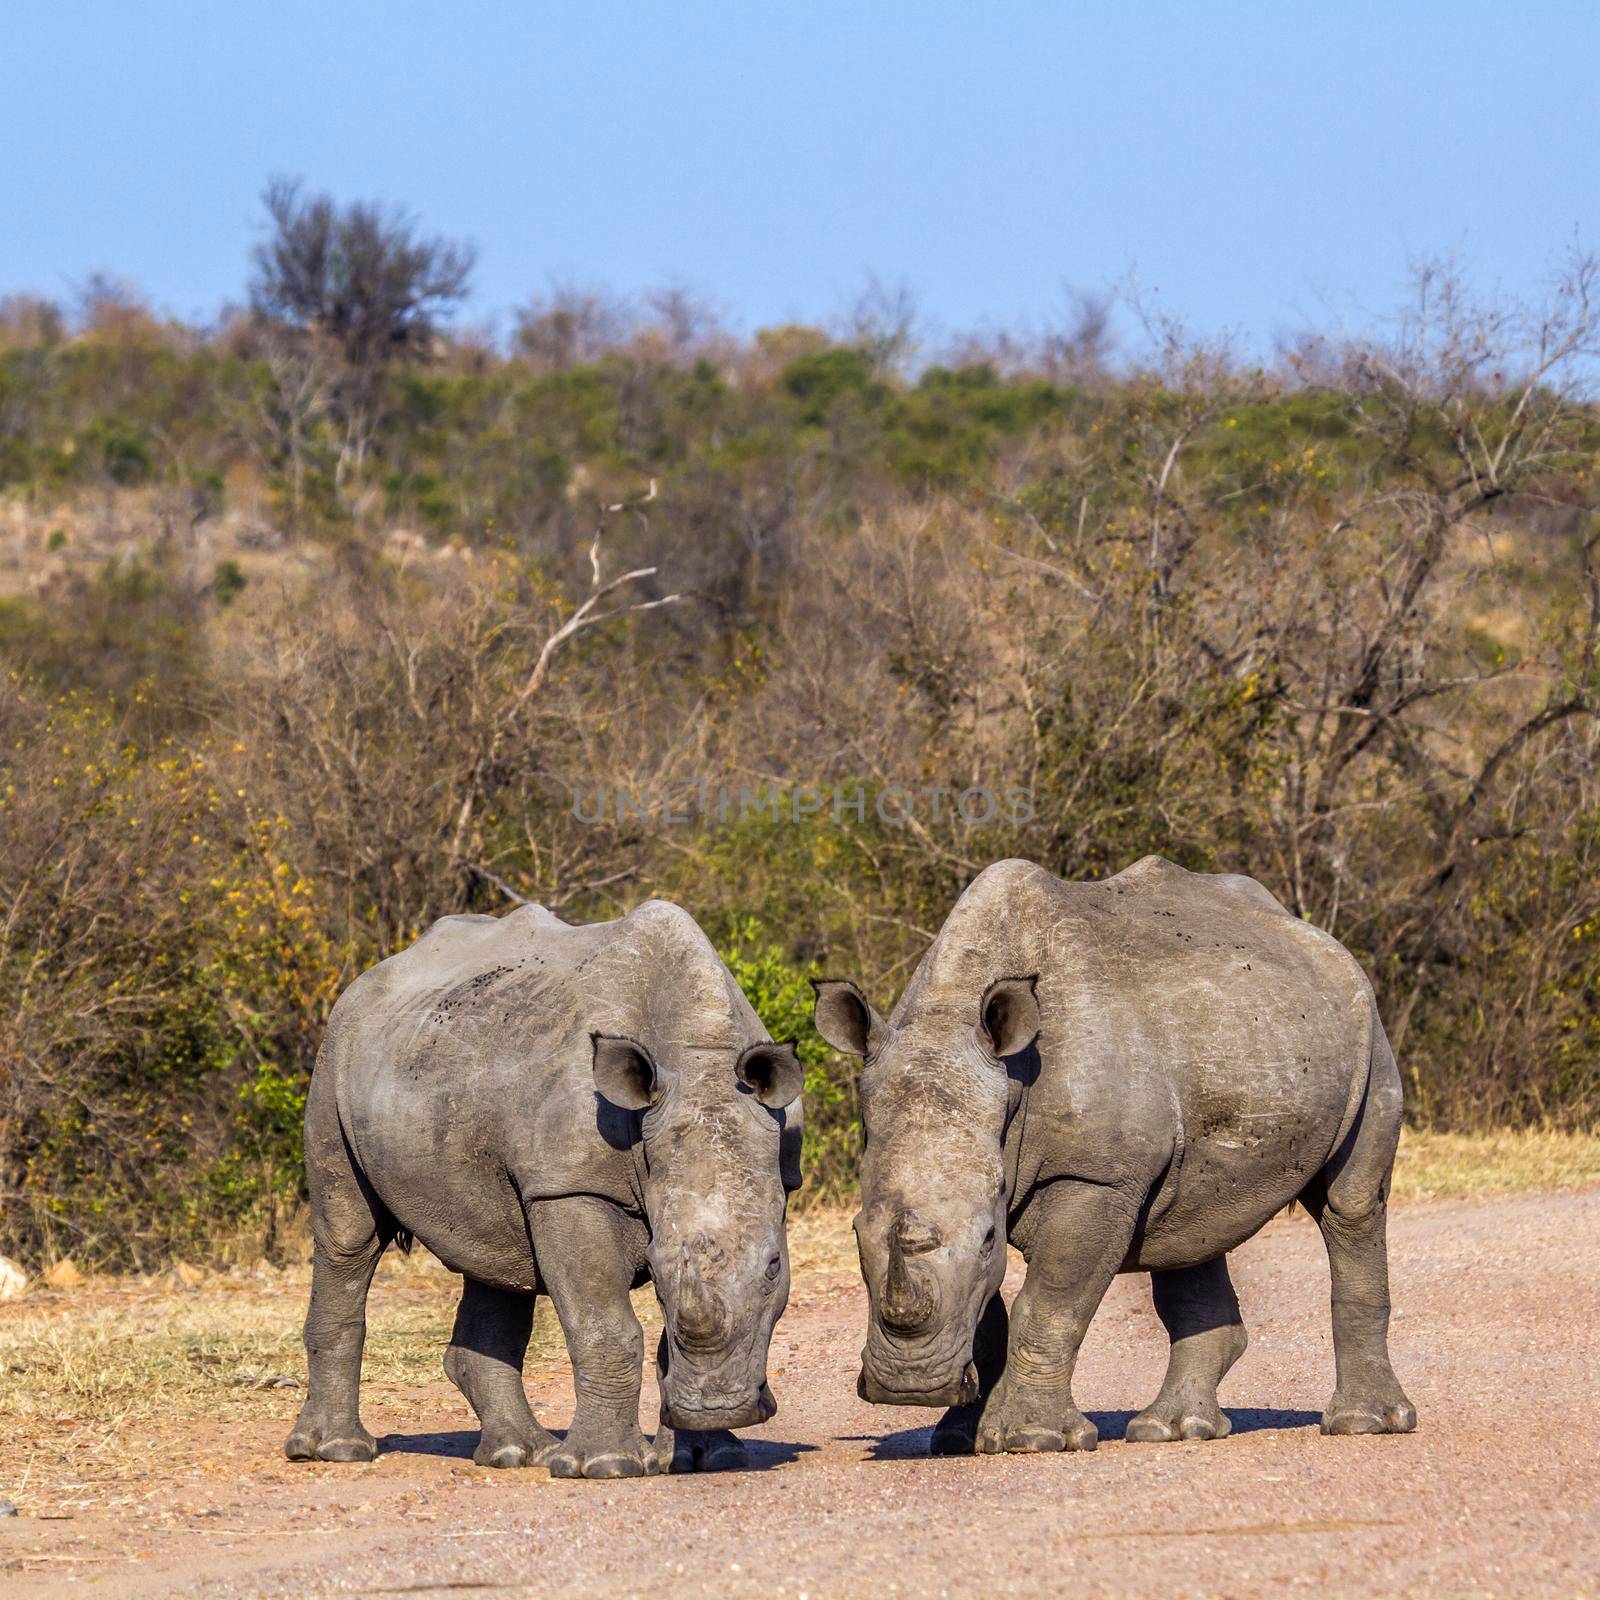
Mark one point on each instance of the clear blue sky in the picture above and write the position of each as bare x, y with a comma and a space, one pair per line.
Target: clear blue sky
1263, 166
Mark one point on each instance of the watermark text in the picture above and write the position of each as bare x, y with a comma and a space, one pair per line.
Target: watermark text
697, 801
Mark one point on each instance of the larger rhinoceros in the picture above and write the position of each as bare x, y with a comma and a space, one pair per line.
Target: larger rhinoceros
1126, 1075
567, 1110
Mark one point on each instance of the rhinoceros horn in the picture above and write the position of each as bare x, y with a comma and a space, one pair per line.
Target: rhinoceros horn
702, 1312
909, 1300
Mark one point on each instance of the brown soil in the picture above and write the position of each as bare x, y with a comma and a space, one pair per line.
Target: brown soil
1496, 1336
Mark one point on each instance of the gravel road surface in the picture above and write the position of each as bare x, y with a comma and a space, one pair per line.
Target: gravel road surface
1496, 1336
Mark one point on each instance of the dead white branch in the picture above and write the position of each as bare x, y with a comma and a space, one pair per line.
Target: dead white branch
588, 615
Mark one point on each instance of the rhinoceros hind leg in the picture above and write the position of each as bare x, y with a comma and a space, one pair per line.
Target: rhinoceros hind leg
484, 1361
583, 1262
718, 1451
956, 1433
1349, 1199
350, 1229
1200, 1312
1367, 1396
1080, 1239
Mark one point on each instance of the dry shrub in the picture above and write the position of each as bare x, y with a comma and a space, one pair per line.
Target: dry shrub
1338, 633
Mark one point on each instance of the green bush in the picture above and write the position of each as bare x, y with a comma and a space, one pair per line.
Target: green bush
229, 581
781, 995
113, 448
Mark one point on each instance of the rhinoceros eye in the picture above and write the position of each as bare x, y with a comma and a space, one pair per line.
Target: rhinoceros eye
774, 1266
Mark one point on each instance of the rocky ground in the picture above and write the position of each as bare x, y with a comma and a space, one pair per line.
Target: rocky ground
165, 1479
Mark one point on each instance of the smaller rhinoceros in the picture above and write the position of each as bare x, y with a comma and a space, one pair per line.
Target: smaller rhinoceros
1129, 1075
566, 1110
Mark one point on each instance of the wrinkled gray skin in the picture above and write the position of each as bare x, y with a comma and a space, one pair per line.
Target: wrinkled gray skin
568, 1111
1128, 1075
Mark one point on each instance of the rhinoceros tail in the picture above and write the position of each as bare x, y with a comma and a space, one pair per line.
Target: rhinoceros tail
404, 1238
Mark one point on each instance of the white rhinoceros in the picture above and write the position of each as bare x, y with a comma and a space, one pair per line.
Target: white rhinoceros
1120, 1076
562, 1110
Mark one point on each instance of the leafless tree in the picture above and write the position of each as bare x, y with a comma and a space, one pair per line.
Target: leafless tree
882, 321
305, 372
503, 720
684, 320
570, 327
1080, 349
29, 322
111, 309
362, 279
1465, 406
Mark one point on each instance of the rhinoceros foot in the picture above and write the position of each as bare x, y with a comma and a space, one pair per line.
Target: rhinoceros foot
311, 1442
517, 1450
592, 1454
1032, 1424
1386, 1410
709, 1451
1167, 1420
956, 1432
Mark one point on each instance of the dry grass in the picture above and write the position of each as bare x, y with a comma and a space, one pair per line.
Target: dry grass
123, 1350
821, 1243
1464, 1166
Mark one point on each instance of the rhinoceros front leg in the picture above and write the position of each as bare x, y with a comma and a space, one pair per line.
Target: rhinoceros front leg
685, 1450
484, 1361
586, 1263
1200, 1312
957, 1431
1078, 1240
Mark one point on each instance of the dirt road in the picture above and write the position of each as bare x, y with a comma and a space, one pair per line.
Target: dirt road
1496, 1336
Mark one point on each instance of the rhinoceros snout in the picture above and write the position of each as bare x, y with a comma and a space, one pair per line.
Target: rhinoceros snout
960, 1393
703, 1414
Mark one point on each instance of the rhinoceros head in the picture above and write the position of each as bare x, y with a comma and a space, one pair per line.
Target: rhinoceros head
935, 1099
718, 1257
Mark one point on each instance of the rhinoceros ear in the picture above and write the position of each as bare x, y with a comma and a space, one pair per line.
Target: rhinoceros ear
624, 1072
844, 1016
1008, 1015
771, 1072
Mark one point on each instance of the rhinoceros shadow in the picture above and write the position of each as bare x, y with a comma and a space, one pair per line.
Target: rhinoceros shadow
911, 1443
459, 1444
455, 1443
906, 1445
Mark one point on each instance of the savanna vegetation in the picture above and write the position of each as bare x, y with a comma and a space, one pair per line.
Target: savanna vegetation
332, 618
